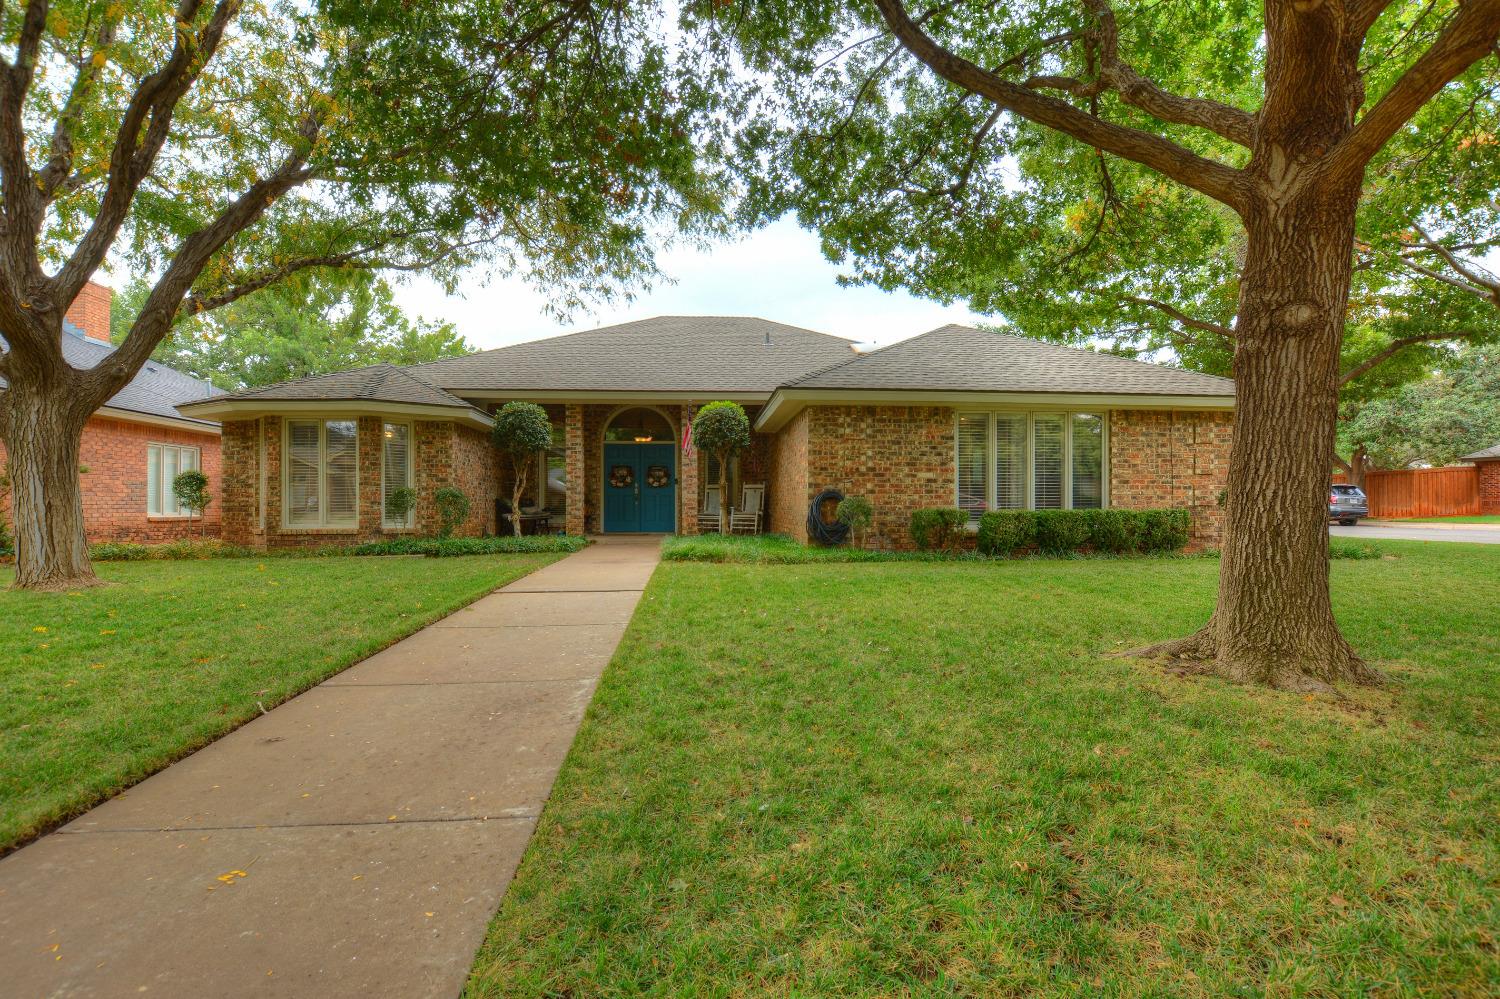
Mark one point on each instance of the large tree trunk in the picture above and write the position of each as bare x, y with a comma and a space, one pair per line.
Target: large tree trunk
1274, 622
520, 468
43, 430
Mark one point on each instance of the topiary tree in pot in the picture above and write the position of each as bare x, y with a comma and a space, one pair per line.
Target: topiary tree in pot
191, 490
521, 431
722, 429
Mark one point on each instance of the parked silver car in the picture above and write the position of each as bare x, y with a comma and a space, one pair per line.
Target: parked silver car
1346, 504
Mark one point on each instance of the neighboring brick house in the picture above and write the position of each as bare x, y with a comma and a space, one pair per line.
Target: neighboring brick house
954, 417
135, 444
1488, 464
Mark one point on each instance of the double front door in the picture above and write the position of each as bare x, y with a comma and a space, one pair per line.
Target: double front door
640, 487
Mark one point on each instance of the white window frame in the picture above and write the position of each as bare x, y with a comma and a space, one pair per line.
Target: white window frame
411, 472
1029, 491
163, 487
323, 523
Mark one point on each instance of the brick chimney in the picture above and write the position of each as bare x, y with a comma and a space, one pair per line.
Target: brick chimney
90, 311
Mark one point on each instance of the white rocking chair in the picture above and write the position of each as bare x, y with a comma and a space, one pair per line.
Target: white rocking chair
747, 516
708, 517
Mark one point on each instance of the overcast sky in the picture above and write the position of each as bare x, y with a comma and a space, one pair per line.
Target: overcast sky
777, 273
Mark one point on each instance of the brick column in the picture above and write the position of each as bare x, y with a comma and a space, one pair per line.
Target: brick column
687, 478
577, 488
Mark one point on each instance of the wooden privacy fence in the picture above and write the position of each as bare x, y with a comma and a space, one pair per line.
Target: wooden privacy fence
1424, 492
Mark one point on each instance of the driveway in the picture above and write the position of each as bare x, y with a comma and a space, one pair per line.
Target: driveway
1473, 533
353, 842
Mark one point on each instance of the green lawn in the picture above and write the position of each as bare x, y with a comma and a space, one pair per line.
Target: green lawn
927, 779
103, 687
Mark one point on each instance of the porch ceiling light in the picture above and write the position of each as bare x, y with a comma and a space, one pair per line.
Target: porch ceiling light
643, 440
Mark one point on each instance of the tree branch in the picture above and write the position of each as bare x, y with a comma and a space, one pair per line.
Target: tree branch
1396, 346
1218, 181
1181, 317
193, 254
60, 159
1470, 35
1139, 91
143, 130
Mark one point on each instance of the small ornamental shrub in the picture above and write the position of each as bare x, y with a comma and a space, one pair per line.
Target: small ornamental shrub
1164, 530
723, 430
399, 504
1114, 532
521, 432
856, 513
191, 490
938, 527
1004, 532
1059, 532
452, 508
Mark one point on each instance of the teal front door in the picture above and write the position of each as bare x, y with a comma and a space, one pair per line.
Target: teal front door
640, 487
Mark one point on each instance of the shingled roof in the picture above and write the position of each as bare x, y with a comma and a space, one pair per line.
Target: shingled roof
1488, 454
154, 391
702, 355
375, 383
964, 359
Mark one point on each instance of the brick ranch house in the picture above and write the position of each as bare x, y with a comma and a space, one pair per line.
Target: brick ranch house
954, 417
137, 442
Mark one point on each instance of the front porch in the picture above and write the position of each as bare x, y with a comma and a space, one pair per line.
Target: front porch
619, 468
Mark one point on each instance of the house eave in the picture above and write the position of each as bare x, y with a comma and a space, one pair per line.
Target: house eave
786, 403
245, 409
130, 416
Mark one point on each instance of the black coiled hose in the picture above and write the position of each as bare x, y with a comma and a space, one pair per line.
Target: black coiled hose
818, 529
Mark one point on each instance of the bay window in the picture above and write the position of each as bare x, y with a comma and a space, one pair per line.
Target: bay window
1036, 461
322, 462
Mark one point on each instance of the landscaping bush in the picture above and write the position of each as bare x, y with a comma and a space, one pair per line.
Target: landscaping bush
778, 549
1059, 532
400, 503
1163, 530
191, 490
938, 527
856, 513
171, 551
453, 509
1115, 532
1003, 532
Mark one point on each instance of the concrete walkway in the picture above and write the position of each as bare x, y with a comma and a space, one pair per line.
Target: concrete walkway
354, 841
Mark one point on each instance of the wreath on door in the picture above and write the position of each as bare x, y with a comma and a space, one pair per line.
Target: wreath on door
657, 476
622, 476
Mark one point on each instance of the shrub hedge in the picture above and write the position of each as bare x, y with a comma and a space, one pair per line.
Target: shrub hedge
126, 551
939, 527
1058, 532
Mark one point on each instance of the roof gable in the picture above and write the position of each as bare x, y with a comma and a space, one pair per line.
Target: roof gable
374, 383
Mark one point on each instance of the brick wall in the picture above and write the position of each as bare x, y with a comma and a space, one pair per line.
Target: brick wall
114, 485
1489, 487
898, 457
1161, 458
90, 311
476, 471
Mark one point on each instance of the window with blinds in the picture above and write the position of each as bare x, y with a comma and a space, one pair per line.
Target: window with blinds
322, 472
973, 463
1039, 461
1010, 461
1047, 461
164, 462
395, 470
1088, 461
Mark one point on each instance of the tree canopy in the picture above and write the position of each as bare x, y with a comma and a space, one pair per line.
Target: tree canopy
308, 325
1434, 421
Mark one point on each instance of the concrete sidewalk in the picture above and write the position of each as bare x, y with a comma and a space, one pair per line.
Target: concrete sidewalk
354, 841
